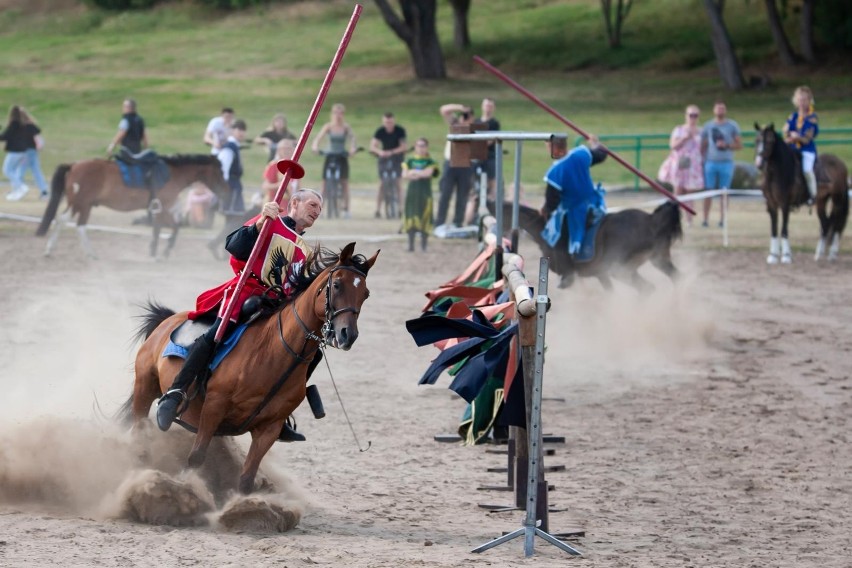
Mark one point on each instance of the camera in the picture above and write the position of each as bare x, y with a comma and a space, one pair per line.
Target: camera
465, 115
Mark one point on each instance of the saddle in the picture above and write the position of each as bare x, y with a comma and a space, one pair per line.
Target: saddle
145, 170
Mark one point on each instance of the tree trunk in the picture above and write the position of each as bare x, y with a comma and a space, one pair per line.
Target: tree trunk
417, 30
614, 21
785, 51
461, 34
806, 31
723, 47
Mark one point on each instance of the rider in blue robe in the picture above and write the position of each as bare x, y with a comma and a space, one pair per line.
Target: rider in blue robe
570, 193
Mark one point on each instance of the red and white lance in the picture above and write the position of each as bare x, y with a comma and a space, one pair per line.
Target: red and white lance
291, 168
506, 79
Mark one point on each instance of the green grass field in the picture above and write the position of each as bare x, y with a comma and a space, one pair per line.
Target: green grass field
72, 67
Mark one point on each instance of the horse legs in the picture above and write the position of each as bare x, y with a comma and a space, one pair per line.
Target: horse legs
786, 253
630, 275
58, 223
212, 413
823, 228
665, 264
835, 247
84, 241
172, 240
146, 390
774, 245
261, 441
155, 239
605, 281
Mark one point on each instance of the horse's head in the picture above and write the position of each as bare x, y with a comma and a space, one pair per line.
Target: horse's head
345, 292
764, 144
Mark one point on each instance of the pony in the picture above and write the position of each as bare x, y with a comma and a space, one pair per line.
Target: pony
784, 188
88, 183
262, 380
625, 241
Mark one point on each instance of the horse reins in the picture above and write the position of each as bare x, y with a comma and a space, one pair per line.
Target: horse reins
303, 357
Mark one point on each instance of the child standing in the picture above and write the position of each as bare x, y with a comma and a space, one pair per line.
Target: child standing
419, 171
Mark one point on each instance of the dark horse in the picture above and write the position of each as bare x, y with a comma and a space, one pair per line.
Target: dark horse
624, 241
784, 188
88, 183
262, 381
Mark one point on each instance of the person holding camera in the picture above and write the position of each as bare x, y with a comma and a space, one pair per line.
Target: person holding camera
454, 180
683, 167
719, 138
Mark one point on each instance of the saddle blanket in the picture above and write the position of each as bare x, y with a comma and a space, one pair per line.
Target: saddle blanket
556, 224
146, 175
172, 349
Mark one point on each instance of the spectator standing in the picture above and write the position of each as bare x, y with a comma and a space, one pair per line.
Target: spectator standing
272, 177
275, 132
388, 143
218, 130
131, 130
720, 137
456, 180
419, 171
341, 145
34, 143
15, 136
232, 170
683, 168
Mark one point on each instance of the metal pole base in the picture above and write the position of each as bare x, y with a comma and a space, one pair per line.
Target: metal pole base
529, 533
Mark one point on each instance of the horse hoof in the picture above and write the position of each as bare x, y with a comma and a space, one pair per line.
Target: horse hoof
772, 259
786, 259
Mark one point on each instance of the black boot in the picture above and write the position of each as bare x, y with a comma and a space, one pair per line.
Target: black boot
196, 360
315, 401
289, 434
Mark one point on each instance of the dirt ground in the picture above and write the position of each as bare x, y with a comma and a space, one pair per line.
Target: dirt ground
705, 425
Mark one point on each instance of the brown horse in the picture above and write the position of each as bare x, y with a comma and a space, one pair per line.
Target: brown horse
784, 188
88, 183
262, 381
625, 241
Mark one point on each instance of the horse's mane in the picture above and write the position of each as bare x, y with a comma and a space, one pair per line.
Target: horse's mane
320, 260
190, 160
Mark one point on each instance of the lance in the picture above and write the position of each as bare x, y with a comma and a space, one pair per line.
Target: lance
506, 79
291, 168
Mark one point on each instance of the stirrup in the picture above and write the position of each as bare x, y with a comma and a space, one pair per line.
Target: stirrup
183, 396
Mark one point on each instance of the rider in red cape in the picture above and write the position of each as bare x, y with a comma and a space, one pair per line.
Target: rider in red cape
281, 257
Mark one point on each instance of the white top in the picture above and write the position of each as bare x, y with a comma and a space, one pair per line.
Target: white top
220, 132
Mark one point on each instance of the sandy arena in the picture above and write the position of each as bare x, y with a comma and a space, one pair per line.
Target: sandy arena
706, 425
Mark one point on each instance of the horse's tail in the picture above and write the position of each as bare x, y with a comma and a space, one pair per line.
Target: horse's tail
665, 221
154, 315
124, 415
57, 190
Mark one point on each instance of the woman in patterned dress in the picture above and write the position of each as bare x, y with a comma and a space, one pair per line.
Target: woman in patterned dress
683, 168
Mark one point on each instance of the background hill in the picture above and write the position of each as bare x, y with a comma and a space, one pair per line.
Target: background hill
72, 66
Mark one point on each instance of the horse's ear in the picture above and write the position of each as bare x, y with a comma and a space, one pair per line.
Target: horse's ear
771, 126
346, 253
756, 126
372, 260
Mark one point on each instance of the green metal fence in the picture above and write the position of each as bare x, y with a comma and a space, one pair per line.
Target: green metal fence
658, 144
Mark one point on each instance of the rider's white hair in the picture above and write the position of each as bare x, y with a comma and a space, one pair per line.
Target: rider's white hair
303, 194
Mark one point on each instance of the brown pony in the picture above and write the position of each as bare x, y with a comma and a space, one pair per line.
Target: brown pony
262, 381
98, 182
784, 188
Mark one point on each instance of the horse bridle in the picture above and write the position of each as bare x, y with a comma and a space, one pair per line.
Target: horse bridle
330, 313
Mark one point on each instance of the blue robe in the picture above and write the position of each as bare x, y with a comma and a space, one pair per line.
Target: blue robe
572, 178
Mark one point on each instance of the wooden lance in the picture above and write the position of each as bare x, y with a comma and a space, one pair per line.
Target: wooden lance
506, 79
291, 168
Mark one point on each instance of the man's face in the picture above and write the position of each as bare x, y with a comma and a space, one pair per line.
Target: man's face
305, 211
388, 123
126, 107
228, 117
720, 110
239, 134
487, 107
